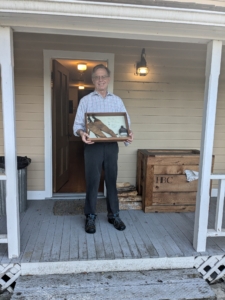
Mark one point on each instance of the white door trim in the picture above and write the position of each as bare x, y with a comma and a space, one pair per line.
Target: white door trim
48, 56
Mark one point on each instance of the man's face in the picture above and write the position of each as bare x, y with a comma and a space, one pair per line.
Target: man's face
101, 80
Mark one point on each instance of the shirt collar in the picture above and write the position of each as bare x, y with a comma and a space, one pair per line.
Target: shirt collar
96, 93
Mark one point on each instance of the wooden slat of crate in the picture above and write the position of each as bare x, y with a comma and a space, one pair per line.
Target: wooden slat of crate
174, 198
173, 160
178, 169
170, 208
177, 152
147, 187
169, 152
140, 168
173, 183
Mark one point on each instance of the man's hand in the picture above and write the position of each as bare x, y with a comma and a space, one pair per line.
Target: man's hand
84, 136
130, 138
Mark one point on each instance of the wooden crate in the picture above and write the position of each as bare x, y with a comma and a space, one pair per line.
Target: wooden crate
162, 182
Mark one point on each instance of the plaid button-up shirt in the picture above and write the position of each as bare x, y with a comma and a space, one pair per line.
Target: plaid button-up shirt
94, 102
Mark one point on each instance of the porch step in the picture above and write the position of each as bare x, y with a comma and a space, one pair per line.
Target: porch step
154, 285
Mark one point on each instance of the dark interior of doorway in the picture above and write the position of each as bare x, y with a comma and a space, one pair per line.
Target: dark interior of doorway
76, 182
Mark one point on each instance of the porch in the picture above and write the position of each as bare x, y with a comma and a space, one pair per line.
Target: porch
58, 244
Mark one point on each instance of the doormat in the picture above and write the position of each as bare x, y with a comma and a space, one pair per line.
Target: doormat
76, 207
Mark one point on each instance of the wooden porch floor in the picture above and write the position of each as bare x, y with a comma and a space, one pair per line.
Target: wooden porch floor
49, 238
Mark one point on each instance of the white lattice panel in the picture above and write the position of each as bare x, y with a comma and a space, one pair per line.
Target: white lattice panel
212, 268
12, 271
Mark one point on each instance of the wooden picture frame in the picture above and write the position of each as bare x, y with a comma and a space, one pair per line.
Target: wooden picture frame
107, 127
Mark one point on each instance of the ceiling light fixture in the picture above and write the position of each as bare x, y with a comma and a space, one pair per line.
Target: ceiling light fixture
141, 66
82, 67
81, 87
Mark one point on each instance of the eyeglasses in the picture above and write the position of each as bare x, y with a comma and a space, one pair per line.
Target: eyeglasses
97, 78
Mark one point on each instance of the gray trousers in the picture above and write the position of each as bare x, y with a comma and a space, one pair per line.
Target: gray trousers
98, 156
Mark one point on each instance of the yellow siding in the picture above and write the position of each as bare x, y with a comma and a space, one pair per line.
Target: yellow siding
165, 106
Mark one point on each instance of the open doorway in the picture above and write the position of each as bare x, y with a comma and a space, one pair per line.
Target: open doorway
68, 151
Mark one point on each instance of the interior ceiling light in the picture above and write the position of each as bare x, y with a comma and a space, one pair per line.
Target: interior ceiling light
141, 66
81, 87
82, 67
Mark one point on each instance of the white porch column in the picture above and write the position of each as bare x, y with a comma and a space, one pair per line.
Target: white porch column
213, 62
8, 108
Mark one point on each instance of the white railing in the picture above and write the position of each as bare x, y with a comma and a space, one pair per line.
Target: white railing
3, 237
218, 230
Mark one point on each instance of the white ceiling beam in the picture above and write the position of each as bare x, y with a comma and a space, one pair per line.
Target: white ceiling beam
114, 11
113, 20
109, 28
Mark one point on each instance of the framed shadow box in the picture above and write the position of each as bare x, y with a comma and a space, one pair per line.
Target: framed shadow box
107, 127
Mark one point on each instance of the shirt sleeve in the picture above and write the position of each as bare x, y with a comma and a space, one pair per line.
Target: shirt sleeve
79, 122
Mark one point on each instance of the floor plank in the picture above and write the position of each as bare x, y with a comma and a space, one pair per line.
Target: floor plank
91, 246
140, 228
82, 241
74, 238
129, 238
57, 241
114, 239
99, 242
65, 245
109, 254
38, 248
47, 246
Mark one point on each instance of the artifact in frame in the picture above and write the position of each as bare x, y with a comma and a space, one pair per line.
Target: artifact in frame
107, 127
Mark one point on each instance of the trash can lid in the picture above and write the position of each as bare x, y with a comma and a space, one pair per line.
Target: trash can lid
22, 162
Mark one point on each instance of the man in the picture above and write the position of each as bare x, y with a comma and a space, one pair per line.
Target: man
100, 155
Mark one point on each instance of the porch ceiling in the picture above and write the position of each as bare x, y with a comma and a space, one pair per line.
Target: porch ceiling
116, 20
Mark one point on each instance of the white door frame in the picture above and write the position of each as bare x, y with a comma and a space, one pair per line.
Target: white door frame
49, 55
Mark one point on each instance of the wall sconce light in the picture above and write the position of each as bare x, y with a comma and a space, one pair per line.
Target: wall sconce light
82, 67
81, 87
141, 66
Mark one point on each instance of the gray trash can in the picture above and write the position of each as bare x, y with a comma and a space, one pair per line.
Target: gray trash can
22, 163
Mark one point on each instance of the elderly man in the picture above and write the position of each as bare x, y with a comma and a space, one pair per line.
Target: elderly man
100, 155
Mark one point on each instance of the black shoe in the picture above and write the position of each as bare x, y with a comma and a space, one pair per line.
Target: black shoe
90, 224
117, 222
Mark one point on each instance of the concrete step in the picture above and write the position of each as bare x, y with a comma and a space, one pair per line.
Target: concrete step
155, 285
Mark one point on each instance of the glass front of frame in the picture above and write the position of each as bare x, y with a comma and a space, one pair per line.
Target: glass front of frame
107, 127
